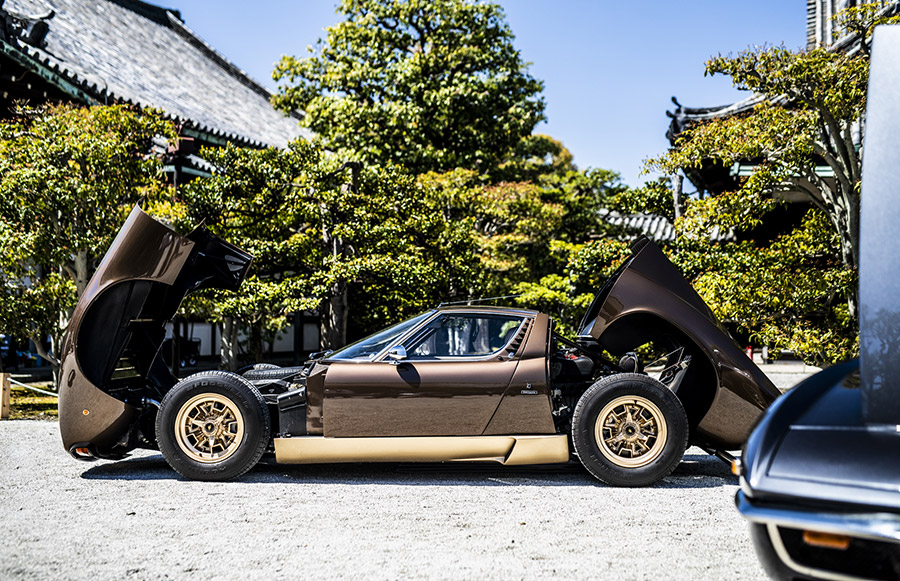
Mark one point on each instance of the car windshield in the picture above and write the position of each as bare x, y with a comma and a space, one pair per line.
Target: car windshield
372, 345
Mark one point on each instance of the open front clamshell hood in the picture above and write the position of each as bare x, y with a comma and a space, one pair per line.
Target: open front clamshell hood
111, 366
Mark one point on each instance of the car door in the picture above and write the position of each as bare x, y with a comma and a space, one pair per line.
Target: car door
456, 370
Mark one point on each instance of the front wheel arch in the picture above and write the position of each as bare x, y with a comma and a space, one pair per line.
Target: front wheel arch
701, 383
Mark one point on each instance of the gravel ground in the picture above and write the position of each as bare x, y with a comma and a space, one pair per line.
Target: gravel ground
137, 519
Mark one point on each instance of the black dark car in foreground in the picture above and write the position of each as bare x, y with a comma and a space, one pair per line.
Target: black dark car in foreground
820, 474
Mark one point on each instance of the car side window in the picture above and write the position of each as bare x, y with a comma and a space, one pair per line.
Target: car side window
463, 335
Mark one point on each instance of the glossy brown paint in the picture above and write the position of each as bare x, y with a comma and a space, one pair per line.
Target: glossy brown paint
526, 407
143, 250
111, 371
441, 397
315, 396
650, 295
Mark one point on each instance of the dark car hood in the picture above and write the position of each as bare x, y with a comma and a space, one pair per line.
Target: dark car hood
815, 446
110, 361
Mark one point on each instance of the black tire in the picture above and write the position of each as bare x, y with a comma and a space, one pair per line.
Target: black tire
618, 450
236, 420
768, 556
257, 367
275, 374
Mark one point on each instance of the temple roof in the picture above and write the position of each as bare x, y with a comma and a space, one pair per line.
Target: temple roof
653, 226
106, 51
713, 177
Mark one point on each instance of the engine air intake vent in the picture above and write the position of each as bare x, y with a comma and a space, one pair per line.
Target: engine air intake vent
517, 341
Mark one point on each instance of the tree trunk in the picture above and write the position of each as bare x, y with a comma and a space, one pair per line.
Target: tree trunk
256, 341
228, 348
82, 276
849, 237
334, 318
54, 361
845, 218
853, 243
677, 187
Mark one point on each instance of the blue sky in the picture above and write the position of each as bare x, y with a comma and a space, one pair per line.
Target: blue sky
609, 67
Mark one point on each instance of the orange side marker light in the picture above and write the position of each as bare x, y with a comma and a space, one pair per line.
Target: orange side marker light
826, 540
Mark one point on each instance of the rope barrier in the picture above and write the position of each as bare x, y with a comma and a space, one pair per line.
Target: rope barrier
20, 384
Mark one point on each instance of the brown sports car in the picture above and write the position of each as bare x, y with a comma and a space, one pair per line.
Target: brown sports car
457, 383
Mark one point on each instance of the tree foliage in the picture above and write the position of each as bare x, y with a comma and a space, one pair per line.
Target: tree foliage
788, 294
517, 224
320, 230
431, 85
582, 269
535, 238
803, 139
68, 178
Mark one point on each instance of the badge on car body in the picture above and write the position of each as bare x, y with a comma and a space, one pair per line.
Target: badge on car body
528, 390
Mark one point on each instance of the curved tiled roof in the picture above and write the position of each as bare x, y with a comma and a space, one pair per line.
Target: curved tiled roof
684, 116
133, 52
655, 227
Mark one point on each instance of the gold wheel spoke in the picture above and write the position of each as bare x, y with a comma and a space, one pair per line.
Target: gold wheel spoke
209, 428
630, 431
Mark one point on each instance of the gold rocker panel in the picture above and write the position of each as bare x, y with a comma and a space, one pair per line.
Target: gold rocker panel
508, 450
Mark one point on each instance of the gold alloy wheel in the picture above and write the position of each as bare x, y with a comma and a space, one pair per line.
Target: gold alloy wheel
209, 428
631, 431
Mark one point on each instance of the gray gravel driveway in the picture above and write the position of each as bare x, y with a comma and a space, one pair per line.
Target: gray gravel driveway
63, 519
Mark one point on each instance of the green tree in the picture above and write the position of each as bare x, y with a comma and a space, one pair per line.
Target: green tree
804, 139
808, 126
567, 293
431, 85
527, 232
787, 294
68, 178
322, 232
534, 158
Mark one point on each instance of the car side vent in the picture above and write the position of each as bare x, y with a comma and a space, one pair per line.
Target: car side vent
517, 341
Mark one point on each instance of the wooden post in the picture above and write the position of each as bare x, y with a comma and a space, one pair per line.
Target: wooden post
4, 396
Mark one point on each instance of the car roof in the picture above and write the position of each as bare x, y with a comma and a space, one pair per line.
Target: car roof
491, 309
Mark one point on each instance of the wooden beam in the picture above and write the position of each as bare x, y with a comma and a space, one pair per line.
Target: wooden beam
4, 396
56, 79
